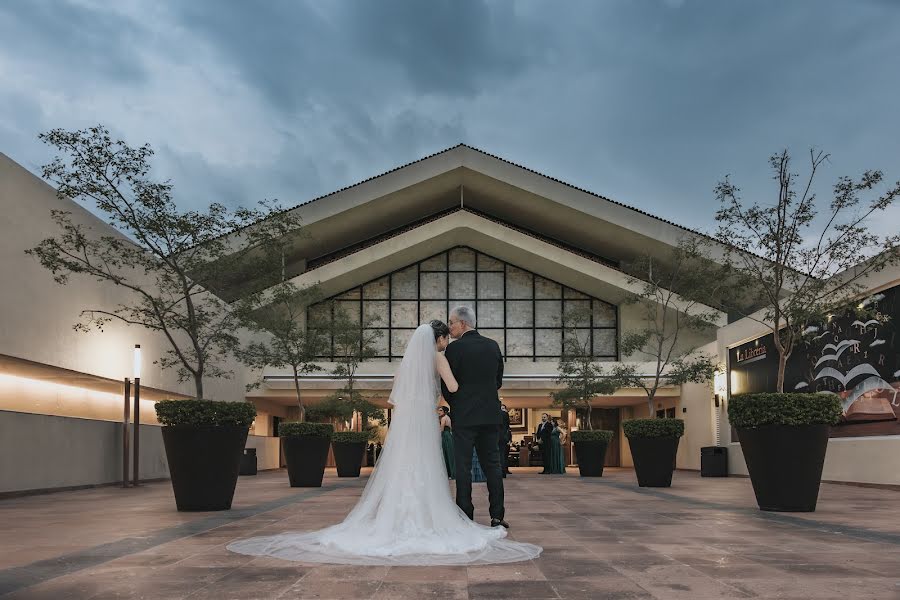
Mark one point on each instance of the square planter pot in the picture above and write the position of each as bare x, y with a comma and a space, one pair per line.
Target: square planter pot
591, 455
204, 464
306, 457
348, 457
654, 460
785, 464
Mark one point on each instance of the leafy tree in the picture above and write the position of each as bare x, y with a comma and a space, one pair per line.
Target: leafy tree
584, 379
807, 265
288, 342
168, 258
675, 297
354, 342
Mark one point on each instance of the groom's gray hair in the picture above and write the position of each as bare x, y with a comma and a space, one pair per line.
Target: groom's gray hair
464, 314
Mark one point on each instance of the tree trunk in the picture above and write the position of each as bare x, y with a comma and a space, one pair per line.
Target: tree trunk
587, 414
651, 396
782, 367
198, 385
299, 399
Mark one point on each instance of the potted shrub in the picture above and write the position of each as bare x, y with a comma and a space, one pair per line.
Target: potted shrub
784, 438
590, 450
654, 443
349, 448
204, 442
306, 451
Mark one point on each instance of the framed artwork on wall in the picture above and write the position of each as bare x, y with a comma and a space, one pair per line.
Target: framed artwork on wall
518, 419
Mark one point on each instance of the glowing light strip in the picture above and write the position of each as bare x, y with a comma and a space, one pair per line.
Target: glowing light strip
40, 386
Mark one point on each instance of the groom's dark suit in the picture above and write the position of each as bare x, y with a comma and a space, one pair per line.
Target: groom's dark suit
477, 365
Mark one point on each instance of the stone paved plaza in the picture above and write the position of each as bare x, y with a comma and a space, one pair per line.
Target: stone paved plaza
602, 538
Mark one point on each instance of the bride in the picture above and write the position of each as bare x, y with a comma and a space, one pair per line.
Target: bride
406, 515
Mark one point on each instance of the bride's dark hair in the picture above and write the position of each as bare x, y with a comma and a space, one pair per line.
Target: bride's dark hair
440, 329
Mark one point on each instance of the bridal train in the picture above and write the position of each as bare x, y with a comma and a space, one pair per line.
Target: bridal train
406, 514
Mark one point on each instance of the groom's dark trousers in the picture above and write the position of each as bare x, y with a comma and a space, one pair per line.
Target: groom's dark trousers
477, 365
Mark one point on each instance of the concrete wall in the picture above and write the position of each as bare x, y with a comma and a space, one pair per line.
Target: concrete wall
699, 423
40, 452
267, 451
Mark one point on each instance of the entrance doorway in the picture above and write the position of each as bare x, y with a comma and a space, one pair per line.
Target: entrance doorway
276, 421
608, 418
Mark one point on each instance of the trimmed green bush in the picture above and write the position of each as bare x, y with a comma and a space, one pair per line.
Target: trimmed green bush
653, 428
350, 436
757, 410
297, 429
205, 413
592, 435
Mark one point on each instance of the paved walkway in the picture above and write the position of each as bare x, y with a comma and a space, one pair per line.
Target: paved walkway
602, 538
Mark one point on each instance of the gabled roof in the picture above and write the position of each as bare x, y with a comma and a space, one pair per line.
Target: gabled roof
548, 258
496, 188
331, 257
508, 162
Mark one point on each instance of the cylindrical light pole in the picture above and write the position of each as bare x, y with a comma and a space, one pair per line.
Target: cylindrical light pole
137, 413
720, 389
125, 419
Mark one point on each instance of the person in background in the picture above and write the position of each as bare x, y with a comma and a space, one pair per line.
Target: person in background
478, 475
447, 440
504, 440
543, 439
557, 463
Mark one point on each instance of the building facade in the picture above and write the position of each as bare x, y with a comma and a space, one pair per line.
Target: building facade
460, 227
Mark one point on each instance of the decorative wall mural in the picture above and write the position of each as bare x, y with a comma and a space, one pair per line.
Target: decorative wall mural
852, 357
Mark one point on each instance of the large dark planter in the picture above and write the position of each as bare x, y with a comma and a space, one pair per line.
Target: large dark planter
785, 464
654, 460
348, 457
204, 464
591, 455
306, 457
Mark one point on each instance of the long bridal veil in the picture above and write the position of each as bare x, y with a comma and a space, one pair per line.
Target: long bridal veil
405, 515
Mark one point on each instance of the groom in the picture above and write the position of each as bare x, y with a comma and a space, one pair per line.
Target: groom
477, 364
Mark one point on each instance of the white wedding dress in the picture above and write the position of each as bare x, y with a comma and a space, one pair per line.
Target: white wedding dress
406, 515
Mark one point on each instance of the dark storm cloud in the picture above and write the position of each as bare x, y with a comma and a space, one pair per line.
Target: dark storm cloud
448, 47
82, 41
647, 102
282, 48
457, 48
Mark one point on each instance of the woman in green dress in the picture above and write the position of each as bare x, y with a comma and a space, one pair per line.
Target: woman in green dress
557, 457
447, 441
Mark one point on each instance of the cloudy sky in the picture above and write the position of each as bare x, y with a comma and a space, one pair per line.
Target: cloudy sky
649, 102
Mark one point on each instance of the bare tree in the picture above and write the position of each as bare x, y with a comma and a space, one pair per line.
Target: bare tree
173, 256
583, 377
288, 342
808, 266
677, 297
353, 342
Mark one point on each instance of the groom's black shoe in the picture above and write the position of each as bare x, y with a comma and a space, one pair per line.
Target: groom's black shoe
499, 523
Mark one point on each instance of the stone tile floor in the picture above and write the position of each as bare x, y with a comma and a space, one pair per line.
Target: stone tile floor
602, 538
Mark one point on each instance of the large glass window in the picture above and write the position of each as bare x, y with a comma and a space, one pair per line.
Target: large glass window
522, 311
